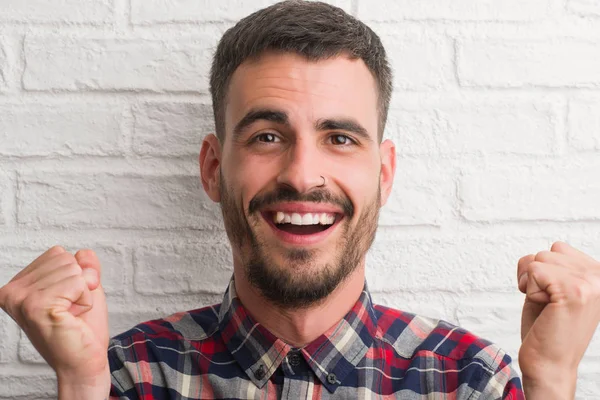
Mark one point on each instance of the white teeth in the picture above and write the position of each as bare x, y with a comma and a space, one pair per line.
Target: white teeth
323, 219
296, 219
307, 219
280, 217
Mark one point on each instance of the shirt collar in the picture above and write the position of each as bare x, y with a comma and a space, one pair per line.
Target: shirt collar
332, 356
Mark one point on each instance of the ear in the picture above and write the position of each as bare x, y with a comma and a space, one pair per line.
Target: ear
387, 149
210, 167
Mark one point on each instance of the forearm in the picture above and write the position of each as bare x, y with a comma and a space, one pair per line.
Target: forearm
76, 389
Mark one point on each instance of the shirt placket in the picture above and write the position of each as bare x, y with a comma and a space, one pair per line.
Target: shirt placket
299, 380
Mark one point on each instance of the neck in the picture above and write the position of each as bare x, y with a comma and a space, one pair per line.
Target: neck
298, 327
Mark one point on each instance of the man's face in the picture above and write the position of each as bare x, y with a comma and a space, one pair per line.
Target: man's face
301, 173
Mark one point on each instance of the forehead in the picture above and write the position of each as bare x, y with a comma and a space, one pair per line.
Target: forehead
310, 90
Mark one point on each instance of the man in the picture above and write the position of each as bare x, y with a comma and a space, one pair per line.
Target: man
300, 96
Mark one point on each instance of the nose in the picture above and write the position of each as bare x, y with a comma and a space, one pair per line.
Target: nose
303, 167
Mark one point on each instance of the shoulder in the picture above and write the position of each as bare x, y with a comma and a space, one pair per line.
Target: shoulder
427, 345
188, 326
414, 336
152, 353
410, 333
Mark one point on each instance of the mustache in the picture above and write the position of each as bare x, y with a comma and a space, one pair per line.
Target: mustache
285, 193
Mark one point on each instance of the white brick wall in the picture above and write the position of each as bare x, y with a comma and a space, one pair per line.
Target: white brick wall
103, 106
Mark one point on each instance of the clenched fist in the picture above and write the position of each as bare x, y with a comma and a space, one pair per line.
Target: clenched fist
560, 315
59, 303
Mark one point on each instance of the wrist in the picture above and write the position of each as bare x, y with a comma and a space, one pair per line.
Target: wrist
71, 387
559, 386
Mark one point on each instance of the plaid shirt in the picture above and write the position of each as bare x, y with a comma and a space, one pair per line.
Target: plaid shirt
219, 352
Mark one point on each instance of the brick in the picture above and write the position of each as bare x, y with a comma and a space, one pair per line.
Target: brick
461, 10
422, 195
435, 305
584, 7
60, 129
9, 334
6, 196
4, 66
512, 193
522, 63
202, 268
115, 265
123, 321
159, 11
11, 262
419, 61
64, 63
174, 129
28, 386
92, 11
588, 383
115, 201
478, 126
459, 265
153, 306
584, 124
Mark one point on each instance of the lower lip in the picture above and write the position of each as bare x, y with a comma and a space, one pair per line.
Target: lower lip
302, 239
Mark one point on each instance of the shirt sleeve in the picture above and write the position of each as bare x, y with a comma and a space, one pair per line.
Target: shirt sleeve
504, 383
122, 383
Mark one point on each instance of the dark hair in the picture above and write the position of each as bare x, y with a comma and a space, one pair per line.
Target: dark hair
314, 30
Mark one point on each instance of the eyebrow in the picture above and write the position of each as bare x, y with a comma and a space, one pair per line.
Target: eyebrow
279, 117
343, 124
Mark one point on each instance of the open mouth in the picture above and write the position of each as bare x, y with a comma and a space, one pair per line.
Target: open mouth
302, 224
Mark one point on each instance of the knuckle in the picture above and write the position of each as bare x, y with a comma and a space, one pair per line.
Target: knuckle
66, 258
56, 250
583, 293
525, 259
543, 256
535, 268
586, 290
523, 263
558, 246
73, 269
13, 298
85, 252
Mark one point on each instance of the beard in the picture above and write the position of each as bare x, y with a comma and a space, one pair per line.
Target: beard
302, 281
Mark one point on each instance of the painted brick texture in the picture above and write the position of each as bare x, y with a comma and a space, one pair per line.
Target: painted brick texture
72, 64
461, 10
104, 104
90, 11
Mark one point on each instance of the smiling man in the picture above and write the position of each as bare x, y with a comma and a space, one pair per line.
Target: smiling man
300, 94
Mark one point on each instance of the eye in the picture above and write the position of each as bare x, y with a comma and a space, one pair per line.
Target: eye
266, 138
341, 140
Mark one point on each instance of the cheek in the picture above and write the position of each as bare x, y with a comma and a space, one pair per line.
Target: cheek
360, 178
248, 179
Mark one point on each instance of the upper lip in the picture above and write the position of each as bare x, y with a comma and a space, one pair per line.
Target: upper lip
298, 207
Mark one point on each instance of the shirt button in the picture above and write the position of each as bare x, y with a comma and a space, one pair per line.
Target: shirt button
260, 373
332, 379
294, 359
